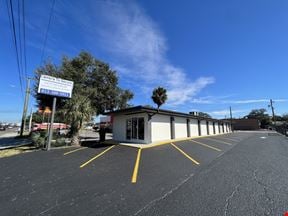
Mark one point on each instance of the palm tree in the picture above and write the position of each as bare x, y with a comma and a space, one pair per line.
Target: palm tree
77, 110
159, 96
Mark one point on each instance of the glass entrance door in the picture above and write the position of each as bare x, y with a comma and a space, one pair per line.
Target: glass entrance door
135, 128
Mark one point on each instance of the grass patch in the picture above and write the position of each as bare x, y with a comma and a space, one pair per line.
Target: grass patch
17, 150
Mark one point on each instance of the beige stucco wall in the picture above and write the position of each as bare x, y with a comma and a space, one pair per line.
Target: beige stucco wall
216, 128
194, 127
211, 131
203, 128
119, 128
180, 127
160, 128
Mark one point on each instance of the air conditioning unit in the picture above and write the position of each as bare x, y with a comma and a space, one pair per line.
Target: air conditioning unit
194, 113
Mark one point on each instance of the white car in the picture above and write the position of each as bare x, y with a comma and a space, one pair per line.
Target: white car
89, 127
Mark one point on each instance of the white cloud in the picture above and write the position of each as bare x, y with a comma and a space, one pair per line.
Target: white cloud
226, 112
256, 101
12, 86
180, 94
128, 33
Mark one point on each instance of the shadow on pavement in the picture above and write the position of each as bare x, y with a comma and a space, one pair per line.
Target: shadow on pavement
93, 144
6, 142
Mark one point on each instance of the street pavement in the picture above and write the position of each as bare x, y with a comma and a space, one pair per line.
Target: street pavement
8, 139
243, 173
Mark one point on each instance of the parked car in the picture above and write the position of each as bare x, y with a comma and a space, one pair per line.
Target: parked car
2, 128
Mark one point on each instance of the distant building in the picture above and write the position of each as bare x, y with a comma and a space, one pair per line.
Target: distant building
246, 124
142, 124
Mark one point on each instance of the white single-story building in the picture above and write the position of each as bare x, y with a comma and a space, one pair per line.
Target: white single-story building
141, 124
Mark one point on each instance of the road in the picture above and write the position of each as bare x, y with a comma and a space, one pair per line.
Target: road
8, 140
244, 173
8, 132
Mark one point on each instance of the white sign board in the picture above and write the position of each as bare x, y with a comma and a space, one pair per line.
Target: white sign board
55, 86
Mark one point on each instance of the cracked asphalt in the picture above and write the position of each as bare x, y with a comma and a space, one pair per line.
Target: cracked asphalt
248, 177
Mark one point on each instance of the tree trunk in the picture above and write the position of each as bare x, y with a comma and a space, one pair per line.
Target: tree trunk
75, 139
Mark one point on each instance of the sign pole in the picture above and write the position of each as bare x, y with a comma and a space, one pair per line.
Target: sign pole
51, 124
231, 120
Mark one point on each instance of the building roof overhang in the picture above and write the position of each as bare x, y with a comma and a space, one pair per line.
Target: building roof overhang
153, 111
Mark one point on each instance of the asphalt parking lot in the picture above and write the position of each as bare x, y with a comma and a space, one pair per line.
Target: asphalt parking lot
243, 173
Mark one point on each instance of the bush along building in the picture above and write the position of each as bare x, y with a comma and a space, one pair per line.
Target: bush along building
143, 125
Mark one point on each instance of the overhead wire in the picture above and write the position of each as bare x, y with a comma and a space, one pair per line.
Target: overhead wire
10, 11
19, 37
24, 37
46, 34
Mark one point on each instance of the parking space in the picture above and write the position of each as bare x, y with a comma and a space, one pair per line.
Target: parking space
60, 178
144, 165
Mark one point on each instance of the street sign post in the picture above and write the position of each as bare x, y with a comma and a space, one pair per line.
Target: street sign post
55, 87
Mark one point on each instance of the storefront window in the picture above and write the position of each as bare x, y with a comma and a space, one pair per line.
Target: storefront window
128, 129
135, 128
141, 128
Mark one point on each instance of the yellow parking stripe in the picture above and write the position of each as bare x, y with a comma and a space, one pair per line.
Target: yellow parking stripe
234, 140
75, 150
208, 146
186, 155
89, 161
219, 141
136, 167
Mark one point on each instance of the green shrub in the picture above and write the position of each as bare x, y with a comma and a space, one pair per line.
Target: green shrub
38, 139
59, 142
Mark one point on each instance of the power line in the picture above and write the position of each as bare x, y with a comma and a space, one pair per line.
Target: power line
46, 34
13, 32
19, 37
24, 36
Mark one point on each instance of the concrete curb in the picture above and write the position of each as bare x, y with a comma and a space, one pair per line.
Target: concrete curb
156, 144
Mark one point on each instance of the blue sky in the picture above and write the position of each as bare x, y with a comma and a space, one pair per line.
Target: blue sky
209, 54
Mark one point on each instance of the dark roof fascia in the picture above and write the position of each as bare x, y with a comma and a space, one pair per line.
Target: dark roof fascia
143, 109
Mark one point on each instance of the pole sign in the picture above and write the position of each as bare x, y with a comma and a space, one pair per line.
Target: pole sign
55, 86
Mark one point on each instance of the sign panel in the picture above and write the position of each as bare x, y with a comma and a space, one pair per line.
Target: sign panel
55, 86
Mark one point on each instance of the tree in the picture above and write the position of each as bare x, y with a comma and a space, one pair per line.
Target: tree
285, 117
95, 90
38, 117
159, 96
204, 115
261, 115
123, 98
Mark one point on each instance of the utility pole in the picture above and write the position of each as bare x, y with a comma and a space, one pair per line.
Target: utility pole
23, 122
30, 120
272, 108
231, 119
51, 124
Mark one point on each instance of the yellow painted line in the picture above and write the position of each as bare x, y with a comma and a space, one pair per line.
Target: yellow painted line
75, 150
89, 161
177, 140
208, 146
234, 140
186, 155
136, 167
166, 142
219, 141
